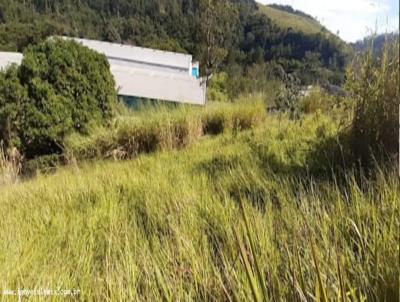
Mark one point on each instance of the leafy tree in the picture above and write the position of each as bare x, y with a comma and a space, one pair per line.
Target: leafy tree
60, 87
218, 19
12, 95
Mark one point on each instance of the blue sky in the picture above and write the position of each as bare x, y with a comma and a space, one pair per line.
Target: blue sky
353, 19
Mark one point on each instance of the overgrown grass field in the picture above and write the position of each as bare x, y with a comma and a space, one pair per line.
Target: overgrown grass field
242, 216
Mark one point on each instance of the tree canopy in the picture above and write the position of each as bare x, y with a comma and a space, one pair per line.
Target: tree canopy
173, 25
60, 87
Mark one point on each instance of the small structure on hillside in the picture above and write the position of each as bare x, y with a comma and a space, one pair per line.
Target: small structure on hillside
143, 72
150, 73
9, 58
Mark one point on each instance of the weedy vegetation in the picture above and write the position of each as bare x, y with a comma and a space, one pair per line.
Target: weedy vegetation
157, 128
374, 85
10, 167
209, 222
222, 203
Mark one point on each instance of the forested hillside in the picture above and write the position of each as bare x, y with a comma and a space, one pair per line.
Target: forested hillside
376, 42
256, 37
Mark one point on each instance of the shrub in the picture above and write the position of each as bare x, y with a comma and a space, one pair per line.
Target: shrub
288, 97
67, 88
11, 95
319, 101
43, 164
215, 122
218, 90
374, 85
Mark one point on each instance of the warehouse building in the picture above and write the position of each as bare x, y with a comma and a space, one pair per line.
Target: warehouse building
144, 73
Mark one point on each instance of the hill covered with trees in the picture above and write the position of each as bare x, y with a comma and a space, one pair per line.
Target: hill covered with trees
254, 35
375, 42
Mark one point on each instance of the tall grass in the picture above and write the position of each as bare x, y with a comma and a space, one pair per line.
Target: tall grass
215, 221
374, 84
9, 166
162, 128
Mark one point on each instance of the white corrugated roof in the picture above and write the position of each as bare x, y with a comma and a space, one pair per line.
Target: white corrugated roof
8, 58
138, 54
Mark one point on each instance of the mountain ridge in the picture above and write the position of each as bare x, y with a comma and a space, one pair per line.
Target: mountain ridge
260, 34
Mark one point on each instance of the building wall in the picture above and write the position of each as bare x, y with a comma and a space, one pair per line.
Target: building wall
142, 65
8, 58
152, 74
158, 85
148, 56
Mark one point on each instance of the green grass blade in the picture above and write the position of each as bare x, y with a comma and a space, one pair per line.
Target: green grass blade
321, 290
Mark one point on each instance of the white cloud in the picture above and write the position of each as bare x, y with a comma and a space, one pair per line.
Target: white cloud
354, 19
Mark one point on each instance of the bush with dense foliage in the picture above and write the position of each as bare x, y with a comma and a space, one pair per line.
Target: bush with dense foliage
12, 94
59, 88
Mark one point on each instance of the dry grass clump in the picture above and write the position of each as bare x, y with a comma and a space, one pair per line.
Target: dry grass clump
320, 101
374, 86
163, 129
10, 166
